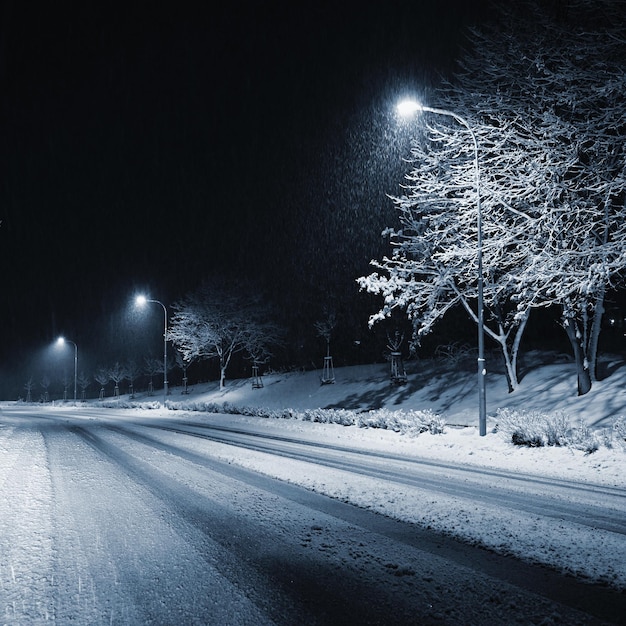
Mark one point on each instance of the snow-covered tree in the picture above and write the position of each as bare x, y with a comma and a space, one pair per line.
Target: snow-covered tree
543, 96
183, 364
558, 79
434, 265
220, 319
45, 385
152, 367
102, 377
83, 382
325, 327
261, 338
117, 373
133, 371
28, 386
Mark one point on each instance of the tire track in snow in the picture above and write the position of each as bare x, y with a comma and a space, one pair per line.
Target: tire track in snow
609, 516
123, 560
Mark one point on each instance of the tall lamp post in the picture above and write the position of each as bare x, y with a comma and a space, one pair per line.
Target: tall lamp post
61, 341
409, 107
141, 301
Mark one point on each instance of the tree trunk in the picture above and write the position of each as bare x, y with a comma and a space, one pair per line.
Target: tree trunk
509, 366
594, 336
582, 365
509, 355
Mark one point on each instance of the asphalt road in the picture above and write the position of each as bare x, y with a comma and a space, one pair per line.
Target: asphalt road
120, 522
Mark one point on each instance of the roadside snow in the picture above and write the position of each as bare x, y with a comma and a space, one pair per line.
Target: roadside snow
27, 553
589, 553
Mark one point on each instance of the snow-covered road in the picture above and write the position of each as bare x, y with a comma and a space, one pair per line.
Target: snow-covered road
122, 519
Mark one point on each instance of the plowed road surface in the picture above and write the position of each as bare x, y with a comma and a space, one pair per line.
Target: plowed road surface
109, 520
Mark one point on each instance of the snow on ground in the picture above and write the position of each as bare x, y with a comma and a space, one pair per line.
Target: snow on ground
548, 385
590, 553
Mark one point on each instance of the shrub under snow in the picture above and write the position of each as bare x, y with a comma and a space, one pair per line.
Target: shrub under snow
520, 427
405, 422
536, 429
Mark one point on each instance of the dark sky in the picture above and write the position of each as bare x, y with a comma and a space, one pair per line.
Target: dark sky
148, 145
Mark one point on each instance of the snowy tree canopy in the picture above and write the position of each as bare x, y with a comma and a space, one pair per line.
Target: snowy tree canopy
544, 98
220, 319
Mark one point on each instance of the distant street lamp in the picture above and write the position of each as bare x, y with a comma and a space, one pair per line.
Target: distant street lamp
407, 108
62, 341
141, 301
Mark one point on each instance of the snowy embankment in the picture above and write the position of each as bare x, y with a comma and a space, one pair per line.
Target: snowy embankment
444, 388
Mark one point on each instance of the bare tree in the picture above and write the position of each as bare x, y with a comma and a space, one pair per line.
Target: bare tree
133, 371
83, 382
28, 386
326, 326
66, 381
45, 385
117, 373
152, 367
102, 377
219, 320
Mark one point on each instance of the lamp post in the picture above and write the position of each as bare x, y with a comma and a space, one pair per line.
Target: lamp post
61, 341
141, 301
406, 108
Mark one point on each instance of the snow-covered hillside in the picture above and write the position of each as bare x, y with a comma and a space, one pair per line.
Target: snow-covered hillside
447, 388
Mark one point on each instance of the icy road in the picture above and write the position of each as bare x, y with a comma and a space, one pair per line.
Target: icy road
117, 518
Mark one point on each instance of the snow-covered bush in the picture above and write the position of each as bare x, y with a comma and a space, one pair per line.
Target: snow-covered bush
125, 404
532, 428
557, 430
328, 416
619, 431
523, 428
404, 422
536, 429
409, 422
583, 439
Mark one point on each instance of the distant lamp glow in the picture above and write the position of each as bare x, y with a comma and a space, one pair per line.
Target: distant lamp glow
141, 301
61, 341
406, 108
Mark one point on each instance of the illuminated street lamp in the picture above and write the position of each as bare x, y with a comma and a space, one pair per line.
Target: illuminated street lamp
407, 108
141, 301
62, 341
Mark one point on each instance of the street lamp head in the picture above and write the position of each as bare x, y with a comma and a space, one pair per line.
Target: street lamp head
61, 341
141, 300
408, 107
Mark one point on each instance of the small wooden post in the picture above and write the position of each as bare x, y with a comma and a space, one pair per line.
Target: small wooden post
257, 379
398, 375
328, 373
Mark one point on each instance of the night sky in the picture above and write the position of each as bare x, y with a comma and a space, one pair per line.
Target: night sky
146, 146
